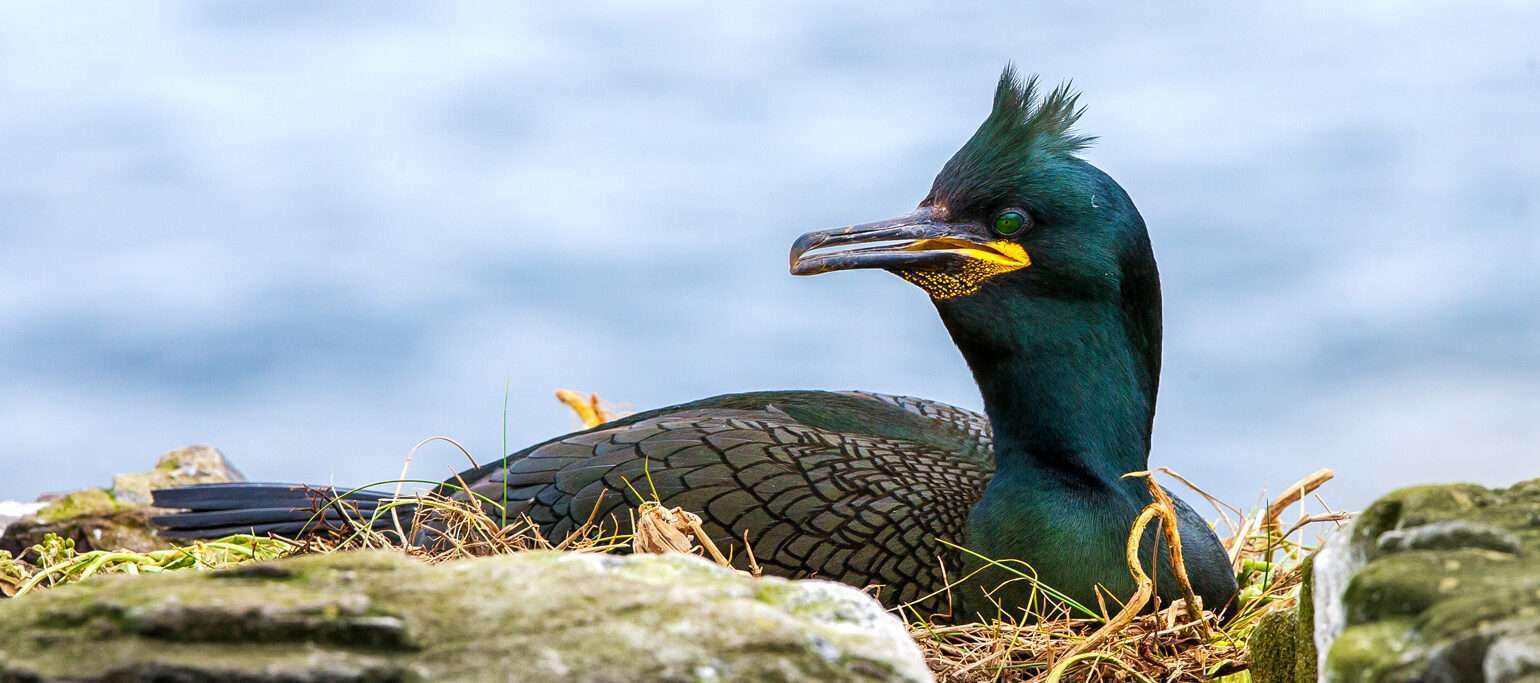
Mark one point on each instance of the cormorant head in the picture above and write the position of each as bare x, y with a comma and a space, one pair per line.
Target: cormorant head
1016, 233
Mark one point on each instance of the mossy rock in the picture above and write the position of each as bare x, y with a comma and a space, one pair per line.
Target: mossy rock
82, 503
118, 518
198, 464
92, 518
1274, 648
1449, 590
1282, 645
124, 529
537, 616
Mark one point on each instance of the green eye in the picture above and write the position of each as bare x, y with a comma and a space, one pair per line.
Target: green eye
1010, 222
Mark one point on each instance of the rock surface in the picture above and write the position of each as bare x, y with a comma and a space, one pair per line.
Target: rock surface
116, 518
1283, 646
196, 464
534, 616
1446, 588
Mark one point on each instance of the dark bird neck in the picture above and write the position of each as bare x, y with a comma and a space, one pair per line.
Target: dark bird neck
1070, 391
1069, 387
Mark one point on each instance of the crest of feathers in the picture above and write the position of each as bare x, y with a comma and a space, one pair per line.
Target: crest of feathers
1045, 122
1024, 130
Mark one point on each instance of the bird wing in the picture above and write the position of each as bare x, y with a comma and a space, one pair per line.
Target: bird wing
815, 496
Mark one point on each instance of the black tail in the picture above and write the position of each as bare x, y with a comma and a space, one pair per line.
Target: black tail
290, 510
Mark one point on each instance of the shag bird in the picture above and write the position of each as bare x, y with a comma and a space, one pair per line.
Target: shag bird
1041, 270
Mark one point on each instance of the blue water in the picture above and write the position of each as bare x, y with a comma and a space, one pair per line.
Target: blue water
312, 234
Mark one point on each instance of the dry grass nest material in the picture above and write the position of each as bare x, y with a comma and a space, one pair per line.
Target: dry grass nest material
1140, 641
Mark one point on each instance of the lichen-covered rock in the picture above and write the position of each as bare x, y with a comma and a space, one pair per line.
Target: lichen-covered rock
76, 504
197, 464
1446, 588
537, 616
117, 518
1274, 648
1283, 644
90, 518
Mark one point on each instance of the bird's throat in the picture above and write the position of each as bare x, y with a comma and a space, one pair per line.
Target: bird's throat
1071, 400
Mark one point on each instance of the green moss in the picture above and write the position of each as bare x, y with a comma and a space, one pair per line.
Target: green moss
1273, 647
1406, 584
78, 504
1369, 652
1481, 609
1381, 516
773, 593
1306, 658
1283, 644
1418, 505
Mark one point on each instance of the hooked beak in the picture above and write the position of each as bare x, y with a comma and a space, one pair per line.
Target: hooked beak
918, 241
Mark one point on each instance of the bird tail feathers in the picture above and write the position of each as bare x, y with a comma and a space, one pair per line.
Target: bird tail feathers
290, 510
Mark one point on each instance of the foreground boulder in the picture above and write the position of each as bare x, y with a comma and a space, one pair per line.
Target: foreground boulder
1443, 585
116, 518
1430, 583
536, 616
